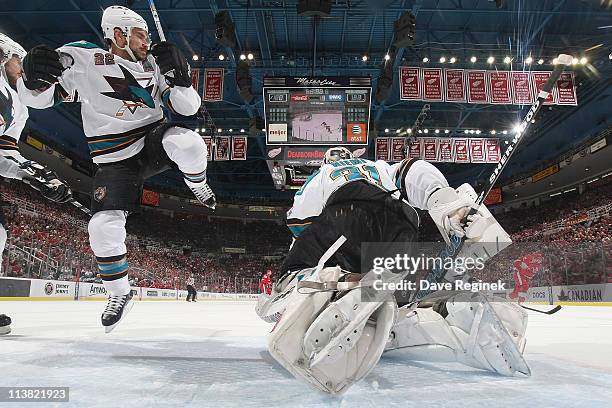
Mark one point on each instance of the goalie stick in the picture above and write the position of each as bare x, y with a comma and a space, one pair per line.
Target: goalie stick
456, 243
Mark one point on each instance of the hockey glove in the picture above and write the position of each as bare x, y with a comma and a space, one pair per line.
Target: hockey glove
172, 64
46, 182
41, 67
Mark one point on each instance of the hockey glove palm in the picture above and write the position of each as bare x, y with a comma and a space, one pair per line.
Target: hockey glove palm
41, 67
46, 182
172, 64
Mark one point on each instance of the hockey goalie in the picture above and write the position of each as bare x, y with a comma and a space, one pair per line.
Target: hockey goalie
325, 333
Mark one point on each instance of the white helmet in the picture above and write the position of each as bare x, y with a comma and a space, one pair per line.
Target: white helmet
337, 153
8, 48
124, 19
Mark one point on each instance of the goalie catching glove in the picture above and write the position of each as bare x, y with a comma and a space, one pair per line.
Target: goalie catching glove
172, 64
46, 182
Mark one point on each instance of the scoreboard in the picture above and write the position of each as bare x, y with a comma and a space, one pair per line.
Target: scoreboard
317, 110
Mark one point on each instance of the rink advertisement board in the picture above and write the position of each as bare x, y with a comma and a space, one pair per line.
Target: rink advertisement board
441, 149
574, 294
317, 110
481, 86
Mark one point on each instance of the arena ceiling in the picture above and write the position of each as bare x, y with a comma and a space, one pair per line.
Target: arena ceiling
282, 44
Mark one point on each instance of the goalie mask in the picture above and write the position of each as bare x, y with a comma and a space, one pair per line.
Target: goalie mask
337, 153
124, 19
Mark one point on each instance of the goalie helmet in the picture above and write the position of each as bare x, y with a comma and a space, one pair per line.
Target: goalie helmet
8, 48
337, 153
124, 19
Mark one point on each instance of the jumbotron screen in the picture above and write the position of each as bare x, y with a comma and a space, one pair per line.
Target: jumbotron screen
317, 110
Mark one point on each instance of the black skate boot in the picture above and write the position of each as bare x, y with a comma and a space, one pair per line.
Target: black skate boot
5, 324
116, 309
203, 193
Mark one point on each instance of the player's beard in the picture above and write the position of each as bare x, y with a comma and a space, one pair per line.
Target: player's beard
140, 55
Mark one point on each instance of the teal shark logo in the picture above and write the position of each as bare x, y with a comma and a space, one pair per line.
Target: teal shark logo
6, 110
128, 90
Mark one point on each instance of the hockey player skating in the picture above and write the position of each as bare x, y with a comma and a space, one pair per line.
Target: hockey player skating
13, 117
122, 90
325, 334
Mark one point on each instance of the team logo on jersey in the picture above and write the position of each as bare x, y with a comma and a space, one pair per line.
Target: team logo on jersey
99, 194
6, 110
130, 92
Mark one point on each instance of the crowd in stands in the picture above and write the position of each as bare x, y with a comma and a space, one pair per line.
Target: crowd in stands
51, 241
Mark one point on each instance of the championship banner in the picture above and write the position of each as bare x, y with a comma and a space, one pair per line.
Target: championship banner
499, 87
477, 150
222, 148
477, 87
382, 148
494, 196
209, 148
430, 149
522, 93
433, 86
462, 154
410, 86
539, 79
150, 198
493, 150
398, 145
195, 79
566, 89
455, 85
239, 148
446, 150
415, 150
213, 84
549, 171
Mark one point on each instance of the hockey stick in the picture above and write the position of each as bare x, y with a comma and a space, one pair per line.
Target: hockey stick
80, 206
160, 31
456, 243
546, 312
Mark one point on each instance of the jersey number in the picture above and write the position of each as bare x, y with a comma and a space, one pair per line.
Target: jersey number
361, 172
104, 59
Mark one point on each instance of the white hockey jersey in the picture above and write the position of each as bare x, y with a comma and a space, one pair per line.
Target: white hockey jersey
420, 179
13, 117
119, 98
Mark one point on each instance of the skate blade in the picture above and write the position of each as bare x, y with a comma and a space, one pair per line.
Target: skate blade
128, 307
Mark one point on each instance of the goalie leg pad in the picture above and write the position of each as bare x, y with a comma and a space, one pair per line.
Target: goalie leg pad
292, 342
477, 333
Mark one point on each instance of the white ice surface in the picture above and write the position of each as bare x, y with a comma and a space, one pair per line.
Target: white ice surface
213, 354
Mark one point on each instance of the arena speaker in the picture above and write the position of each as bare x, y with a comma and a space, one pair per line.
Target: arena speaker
312, 8
243, 81
404, 30
225, 30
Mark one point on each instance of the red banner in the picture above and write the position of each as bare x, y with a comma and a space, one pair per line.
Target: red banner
455, 85
397, 151
382, 148
150, 198
477, 87
222, 148
446, 150
415, 150
195, 79
477, 150
499, 87
522, 92
433, 85
430, 148
410, 87
566, 88
213, 84
462, 154
239, 148
539, 79
493, 150
209, 148
494, 196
